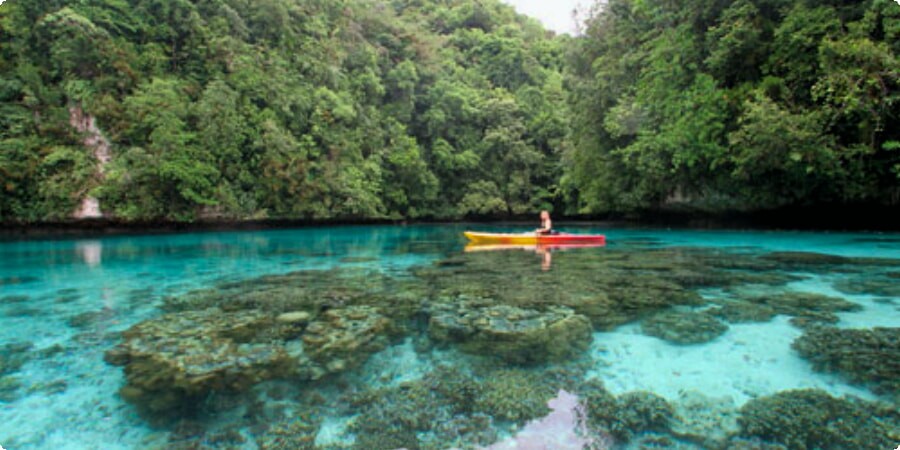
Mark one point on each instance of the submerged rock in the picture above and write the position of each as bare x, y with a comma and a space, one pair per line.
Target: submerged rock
9, 388
14, 299
627, 415
309, 291
298, 433
801, 304
684, 327
343, 338
455, 407
513, 334
812, 419
15, 279
91, 318
177, 358
805, 258
14, 355
743, 312
866, 356
709, 421
514, 395
173, 360
869, 285
611, 288
814, 319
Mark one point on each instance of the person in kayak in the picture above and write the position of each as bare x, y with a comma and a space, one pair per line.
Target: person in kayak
546, 224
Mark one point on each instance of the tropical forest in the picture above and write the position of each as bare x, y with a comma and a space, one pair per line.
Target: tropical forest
183, 110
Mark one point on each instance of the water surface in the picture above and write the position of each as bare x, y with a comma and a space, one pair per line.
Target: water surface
390, 337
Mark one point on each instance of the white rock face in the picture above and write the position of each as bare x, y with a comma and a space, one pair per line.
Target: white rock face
89, 209
94, 140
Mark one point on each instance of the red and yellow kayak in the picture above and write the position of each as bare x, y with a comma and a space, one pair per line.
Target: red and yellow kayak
534, 238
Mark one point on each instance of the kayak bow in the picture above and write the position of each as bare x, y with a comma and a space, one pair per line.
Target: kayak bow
534, 238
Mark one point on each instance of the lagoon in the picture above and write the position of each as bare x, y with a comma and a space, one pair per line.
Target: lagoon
395, 337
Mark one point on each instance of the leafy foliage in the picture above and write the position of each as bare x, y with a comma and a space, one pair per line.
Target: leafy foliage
338, 109
743, 104
278, 108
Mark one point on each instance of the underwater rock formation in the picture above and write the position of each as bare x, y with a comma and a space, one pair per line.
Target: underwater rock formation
807, 309
452, 407
805, 258
626, 415
9, 388
514, 395
298, 433
610, 288
743, 312
14, 355
563, 429
14, 299
812, 419
683, 327
392, 417
179, 357
869, 284
869, 356
709, 421
800, 304
341, 339
513, 334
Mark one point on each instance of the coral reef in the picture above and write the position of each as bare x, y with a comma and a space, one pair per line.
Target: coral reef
452, 408
14, 355
610, 288
272, 350
14, 299
801, 259
812, 419
513, 334
683, 327
90, 318
341, 339
869, 356
298, 433
16, 279
470, 431
175, 359
869, 284
390, 417
743, 312
801, 304
706, 420
626, 415
9, 388
515, 395
179, 357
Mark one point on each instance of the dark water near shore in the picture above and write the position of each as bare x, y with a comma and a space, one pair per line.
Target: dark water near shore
385, 337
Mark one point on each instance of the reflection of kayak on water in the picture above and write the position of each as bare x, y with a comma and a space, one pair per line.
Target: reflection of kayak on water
540, 244
474, 247
565, 239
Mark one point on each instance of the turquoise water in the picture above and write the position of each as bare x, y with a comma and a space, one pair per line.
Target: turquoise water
65, 303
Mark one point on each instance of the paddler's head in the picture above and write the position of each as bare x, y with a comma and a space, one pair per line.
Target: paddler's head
545, 215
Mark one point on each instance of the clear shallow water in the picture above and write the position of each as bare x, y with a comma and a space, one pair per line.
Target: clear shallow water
63, 304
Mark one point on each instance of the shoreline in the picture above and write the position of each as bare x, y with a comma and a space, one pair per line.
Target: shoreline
824, 218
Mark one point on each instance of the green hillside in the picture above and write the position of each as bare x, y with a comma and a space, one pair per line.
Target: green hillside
363, 109
312, 109
737, 105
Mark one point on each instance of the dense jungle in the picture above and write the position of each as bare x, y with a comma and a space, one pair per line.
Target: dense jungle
183, 110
